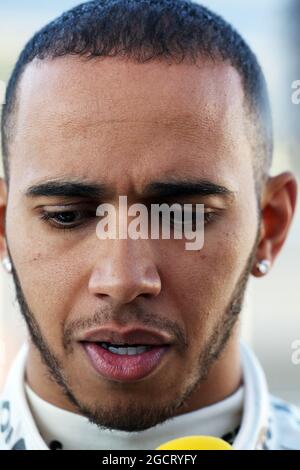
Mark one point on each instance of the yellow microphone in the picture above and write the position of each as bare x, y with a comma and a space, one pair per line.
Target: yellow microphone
196, 443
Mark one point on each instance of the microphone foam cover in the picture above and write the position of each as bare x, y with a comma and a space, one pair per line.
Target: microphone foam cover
196, 443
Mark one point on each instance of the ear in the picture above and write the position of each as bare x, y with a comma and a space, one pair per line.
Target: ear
278, 203
3, 205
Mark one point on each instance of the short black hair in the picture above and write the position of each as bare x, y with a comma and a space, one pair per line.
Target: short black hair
145, 30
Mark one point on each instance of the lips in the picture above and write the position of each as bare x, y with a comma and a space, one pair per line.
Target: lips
125, 367
132, 336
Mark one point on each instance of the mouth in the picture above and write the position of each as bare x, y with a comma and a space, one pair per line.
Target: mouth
125, 356
126, 349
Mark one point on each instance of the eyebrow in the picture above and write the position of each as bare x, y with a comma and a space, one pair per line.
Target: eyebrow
61, 188
161, 189
187, 188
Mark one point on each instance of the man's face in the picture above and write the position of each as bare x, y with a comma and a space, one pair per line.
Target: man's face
126, 126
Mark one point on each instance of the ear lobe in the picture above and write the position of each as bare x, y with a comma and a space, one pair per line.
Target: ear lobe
278, 207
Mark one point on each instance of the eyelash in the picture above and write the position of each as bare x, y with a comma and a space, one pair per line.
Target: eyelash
49, 218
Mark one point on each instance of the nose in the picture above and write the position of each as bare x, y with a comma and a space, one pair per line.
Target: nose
125, 272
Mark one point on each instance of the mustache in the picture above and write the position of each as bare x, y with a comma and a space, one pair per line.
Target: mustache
122, 317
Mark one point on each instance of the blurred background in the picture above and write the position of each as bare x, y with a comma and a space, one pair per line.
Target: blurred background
271, 317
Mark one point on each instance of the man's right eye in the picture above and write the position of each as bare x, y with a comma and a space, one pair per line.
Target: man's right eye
67, 219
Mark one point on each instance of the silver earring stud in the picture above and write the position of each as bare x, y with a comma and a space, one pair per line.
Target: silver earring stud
263, 266
7, 264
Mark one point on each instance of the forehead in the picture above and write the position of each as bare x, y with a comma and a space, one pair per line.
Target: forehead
76, 114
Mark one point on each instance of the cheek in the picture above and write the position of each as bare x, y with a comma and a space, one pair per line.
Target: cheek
50, 292
51, 278
201, 283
